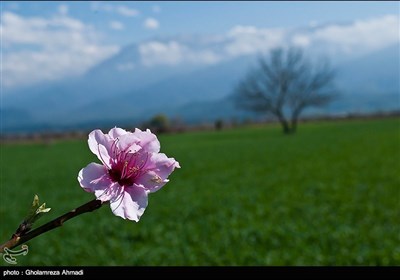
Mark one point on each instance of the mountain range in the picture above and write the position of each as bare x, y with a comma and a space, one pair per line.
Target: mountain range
126, 89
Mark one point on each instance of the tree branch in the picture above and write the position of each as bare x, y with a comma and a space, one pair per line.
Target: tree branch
19, 238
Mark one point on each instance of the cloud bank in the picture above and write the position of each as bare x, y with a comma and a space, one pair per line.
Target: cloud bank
357, 38
38, 49
151, 23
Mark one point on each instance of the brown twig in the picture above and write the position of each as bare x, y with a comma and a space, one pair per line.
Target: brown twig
19, 238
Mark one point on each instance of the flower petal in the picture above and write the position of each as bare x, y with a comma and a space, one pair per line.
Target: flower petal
100, 145
117, 132
128, 143
130, 204
148, 140
151, 181
94, 178
128, 158
158, 167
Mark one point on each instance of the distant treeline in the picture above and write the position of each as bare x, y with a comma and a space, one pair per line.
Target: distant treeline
161, 124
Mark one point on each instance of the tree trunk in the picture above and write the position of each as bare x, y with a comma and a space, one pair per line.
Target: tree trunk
294, 125
285, 125
295, 118
286, 128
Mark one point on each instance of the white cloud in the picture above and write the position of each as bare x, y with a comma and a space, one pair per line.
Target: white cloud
63, 9
248, 39
355, 38
362, 35
117, 25
172, 53
161, 53
121, 10
301, 40
37, 49
101, 6
125, 11
61, 46
151, 23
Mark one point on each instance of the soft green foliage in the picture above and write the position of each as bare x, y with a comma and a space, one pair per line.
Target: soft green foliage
159, 123
36, 211
329, 195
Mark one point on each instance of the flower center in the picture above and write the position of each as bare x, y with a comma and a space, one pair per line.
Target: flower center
115, 175
126, 166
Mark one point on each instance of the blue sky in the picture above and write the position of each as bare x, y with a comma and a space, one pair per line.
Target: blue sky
124, 22
78, 35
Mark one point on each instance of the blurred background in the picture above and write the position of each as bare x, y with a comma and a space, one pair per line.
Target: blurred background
247, 194
70, 65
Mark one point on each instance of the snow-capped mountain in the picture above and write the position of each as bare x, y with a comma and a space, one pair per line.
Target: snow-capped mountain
185, 76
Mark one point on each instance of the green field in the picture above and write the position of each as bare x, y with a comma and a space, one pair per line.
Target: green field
329, 195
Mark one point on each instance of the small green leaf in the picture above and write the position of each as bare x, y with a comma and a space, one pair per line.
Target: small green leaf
35, 204
40, 211
35, 212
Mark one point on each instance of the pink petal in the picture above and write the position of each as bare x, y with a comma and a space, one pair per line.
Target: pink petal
94, 178
151, 181
128, 143
148, 140
130, 204
117, 132
100, 145
162, 162
159, 167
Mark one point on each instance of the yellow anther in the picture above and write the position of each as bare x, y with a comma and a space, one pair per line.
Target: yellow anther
156, 179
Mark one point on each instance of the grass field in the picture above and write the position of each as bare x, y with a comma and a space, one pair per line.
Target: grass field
329, 195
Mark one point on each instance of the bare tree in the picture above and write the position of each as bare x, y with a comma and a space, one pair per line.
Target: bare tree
284, 84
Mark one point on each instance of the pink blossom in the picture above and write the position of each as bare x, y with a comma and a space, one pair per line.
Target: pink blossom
131, 168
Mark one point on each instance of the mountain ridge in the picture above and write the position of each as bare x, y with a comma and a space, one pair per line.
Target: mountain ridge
137, 91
